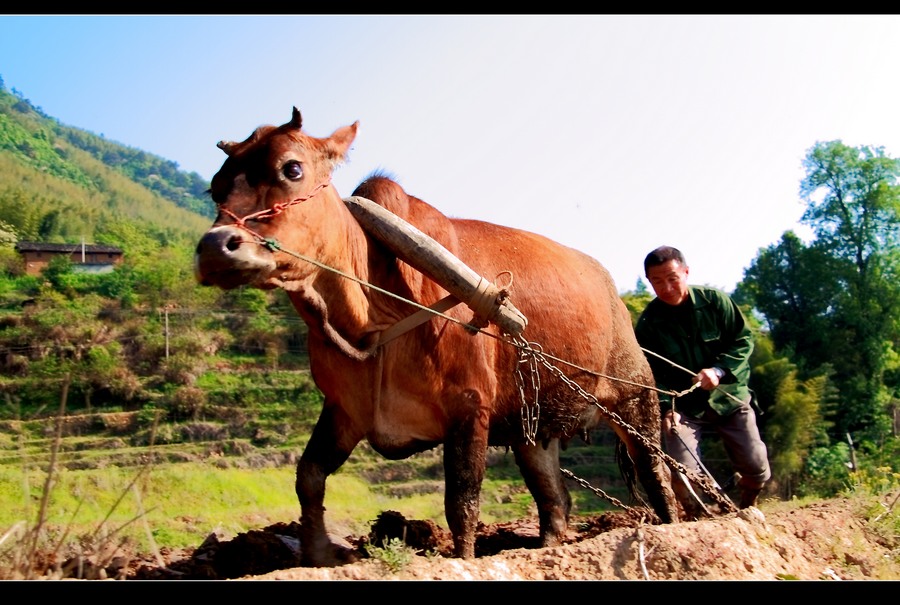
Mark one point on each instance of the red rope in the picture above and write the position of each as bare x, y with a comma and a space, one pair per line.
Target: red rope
275, 210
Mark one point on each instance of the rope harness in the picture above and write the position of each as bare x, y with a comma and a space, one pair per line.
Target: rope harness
276, 209
530, 357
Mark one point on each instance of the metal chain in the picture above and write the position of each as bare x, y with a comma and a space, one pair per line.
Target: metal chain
530, 410
526, 349
583, 483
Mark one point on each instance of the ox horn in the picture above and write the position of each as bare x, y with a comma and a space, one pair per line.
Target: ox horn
226, 146
296, 119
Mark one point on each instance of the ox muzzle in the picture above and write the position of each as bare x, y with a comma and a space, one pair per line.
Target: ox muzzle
228, 257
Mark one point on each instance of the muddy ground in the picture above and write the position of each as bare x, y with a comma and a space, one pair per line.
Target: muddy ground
828, 540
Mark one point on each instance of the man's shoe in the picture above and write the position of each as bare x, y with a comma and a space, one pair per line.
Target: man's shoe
749, 496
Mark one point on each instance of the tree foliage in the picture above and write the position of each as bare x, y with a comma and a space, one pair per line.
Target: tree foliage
833, 305
636, 301
792, 423
785, 284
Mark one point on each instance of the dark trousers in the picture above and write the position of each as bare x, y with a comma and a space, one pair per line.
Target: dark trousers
740, 437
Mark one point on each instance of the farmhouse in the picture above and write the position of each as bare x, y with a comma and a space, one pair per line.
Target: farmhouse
85, 257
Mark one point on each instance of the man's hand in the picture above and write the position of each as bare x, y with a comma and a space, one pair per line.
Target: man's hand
669, 420
708, 378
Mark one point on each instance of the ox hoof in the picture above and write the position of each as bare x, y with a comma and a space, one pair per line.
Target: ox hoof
549, 541
331, 555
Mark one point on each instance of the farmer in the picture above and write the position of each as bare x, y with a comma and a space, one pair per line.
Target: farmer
696, 335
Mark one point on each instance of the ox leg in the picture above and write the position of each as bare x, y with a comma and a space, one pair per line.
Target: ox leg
540, 469
323, 456
465, 450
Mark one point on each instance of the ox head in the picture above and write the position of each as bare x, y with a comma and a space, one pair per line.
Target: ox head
273, 194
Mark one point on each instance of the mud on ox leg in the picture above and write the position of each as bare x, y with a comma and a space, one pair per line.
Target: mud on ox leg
465, 453
322, 457
539, 465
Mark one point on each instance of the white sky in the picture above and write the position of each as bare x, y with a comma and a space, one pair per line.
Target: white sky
612, 134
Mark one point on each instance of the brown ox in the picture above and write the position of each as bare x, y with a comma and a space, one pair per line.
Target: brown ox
441, 382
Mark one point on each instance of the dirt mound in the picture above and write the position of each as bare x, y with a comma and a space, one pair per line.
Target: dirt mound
828, 540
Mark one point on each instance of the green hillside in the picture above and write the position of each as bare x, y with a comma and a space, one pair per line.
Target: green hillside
60, 184
145, 335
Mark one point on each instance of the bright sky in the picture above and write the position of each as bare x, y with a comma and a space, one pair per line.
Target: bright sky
612, 134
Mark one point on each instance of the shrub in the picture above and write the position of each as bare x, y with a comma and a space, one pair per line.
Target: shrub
393, 554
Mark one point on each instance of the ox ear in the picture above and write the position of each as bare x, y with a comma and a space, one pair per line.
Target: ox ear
296, 119
226, 146
340, 140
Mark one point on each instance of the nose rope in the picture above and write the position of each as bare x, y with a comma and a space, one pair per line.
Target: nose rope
275, 210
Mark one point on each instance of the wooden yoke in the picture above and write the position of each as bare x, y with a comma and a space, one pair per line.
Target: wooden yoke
487, 301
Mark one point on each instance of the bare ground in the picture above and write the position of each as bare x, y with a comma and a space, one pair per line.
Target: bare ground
826, 540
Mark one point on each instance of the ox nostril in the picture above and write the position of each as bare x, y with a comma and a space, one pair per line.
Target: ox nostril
219, 241
233, 243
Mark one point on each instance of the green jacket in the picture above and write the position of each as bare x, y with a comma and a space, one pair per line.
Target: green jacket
708, 330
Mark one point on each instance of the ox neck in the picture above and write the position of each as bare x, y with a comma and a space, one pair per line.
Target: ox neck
333, 304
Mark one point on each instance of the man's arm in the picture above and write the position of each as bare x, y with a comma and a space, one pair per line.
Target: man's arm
737, 343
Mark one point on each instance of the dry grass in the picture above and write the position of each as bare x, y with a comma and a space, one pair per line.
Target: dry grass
29, 549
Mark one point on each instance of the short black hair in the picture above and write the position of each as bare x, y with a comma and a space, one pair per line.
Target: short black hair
661, 255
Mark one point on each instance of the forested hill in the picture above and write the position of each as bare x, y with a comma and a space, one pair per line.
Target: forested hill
59, 183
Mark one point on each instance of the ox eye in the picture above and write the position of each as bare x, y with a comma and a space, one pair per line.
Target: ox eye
292, 171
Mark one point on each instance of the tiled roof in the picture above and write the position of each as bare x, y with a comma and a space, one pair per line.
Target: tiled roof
59, 248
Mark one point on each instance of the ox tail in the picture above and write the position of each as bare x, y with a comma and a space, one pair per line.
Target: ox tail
627, 469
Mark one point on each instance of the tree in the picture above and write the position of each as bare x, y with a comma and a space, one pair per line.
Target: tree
50, 225
853, 207
792, 422
636, 301
834, 305
785, 284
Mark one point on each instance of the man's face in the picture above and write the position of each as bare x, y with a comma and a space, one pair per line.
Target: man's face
669, 281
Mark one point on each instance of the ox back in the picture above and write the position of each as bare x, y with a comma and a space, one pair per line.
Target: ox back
282, 224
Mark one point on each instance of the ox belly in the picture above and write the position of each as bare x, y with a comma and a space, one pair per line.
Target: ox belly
404, 425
